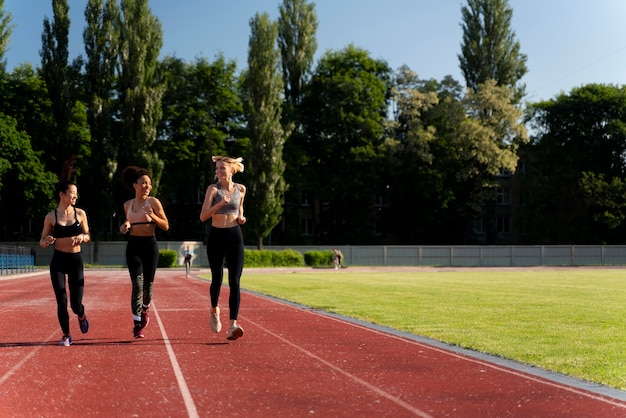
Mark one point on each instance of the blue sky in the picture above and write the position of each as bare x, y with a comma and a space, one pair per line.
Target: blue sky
568, 42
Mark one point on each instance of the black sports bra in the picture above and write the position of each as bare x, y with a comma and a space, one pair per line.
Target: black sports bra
64, 231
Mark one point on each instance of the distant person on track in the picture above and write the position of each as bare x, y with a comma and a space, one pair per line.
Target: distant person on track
187, 256
67, 228
143, 214
223, 203
337, 257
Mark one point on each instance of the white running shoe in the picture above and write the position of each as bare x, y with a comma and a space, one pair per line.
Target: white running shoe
234, 332
216, 324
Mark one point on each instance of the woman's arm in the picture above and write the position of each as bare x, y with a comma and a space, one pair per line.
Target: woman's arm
208, 209
48, 226
86, 237
240, 218
158, 214
125, 227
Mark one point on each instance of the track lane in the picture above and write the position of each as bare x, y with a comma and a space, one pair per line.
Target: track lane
290, 362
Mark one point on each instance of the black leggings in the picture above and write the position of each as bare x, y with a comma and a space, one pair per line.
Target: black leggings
226, 243
142, 256
72, 265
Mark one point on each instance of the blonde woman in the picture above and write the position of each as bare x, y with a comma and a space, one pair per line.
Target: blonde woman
223, 203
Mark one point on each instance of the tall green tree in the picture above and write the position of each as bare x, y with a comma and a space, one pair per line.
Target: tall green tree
202, 114
344, 112
576, 167
297, 27
297, 41
138, 86
100, 38
263, 112
69, 135
21, 169
489, 50
6, 29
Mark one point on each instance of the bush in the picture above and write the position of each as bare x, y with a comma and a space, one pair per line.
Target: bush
319, 258
269, 258
167, 258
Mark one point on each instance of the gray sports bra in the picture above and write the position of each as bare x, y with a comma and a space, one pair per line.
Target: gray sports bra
232, 207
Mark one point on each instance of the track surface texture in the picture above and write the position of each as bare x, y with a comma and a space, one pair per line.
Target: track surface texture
292, 361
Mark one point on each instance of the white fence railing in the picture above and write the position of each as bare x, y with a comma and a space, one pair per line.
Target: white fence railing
113, 253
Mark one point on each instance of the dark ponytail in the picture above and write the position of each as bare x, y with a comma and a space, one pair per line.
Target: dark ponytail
65, 179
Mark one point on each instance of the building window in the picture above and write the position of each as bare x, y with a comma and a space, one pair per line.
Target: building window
503, 195
479, 226
304, 199
306, 227
503, 224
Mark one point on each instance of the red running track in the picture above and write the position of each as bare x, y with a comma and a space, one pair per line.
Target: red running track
292, 362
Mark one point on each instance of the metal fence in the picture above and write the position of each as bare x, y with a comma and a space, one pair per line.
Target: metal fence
113, 253
16, 259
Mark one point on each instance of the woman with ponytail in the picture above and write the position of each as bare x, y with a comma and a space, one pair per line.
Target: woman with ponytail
223, 203
67, 228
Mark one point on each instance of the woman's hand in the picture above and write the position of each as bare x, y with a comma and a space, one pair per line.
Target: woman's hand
47, 241
241, 220
125, 228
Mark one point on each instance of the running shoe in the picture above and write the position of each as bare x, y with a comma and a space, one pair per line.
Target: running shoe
138, 333
66, 340
216, 324
234, 332
145, 318
84, 324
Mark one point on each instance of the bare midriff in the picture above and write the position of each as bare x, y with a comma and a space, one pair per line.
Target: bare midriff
224, 221
142, 230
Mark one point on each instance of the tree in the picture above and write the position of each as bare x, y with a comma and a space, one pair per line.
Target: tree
576, 166
297, 26
420, 167
202, 113
138, 87
263, 112
101, 49
489, 50
69, 135
6, 29
21, 169
344, 110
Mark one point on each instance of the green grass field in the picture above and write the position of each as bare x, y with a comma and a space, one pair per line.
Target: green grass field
569, 321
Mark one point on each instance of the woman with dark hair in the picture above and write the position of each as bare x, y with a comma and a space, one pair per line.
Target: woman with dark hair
67, 228
223, 203
143, 214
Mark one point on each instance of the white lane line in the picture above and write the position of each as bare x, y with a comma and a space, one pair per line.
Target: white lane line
527, 376
27, 357
360, 381
182, 384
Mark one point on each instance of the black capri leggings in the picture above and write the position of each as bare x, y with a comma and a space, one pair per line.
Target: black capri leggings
72, 265
142, 257
226, 243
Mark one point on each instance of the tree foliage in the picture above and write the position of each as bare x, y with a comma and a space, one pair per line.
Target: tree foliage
140, 93
577, 166
202, 113
344, 110
6, 29
263, 112
69, 134
297, 27
489, 50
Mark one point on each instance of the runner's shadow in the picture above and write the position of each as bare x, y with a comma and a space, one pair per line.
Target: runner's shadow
112, 342
25, 344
